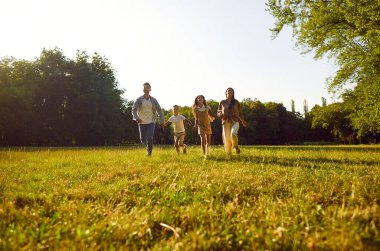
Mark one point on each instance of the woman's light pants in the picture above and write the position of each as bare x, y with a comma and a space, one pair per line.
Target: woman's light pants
230, 135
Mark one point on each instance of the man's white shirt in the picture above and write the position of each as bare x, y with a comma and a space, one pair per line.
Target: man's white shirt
146, 111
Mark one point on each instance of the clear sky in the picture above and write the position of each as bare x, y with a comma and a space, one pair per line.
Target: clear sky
182, 47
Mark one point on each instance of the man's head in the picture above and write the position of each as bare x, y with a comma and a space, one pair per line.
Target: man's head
146, 88
175, 110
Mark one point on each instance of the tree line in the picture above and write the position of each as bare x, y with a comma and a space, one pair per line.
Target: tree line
57, 101
347, 32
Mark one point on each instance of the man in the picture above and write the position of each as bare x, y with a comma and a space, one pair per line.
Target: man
145, 111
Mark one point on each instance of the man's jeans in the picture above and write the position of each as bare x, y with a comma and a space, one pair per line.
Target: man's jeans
146, 135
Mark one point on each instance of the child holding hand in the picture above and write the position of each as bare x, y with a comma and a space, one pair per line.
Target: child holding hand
178, 129
203, 117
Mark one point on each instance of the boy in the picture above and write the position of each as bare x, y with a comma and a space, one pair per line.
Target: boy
179, 129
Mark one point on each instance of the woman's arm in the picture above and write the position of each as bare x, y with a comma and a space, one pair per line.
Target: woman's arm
220, 110
240, 115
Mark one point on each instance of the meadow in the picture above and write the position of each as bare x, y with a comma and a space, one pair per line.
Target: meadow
117, 198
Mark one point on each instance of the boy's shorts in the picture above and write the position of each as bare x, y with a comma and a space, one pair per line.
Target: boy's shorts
179, 137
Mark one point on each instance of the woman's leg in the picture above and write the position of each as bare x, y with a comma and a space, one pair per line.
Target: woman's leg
227, 141
234, 136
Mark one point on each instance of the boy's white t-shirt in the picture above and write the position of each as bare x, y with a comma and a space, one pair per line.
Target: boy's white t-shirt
177, 121
146, 111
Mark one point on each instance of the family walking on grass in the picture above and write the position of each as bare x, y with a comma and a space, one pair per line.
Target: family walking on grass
146, 109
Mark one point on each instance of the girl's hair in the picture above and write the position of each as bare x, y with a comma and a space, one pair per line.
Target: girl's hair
196, 103
233, 97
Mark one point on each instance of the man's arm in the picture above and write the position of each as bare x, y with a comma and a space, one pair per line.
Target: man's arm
160, 112
168, 123
135, 107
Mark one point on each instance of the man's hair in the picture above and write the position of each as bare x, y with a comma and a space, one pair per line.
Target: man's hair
175, 106
146, 83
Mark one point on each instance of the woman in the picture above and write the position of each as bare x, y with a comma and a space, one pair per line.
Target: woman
203, 116
230, 112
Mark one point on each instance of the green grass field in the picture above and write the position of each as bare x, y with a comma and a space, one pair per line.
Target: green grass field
269, 198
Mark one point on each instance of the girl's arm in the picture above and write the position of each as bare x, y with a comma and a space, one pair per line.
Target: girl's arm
195, 113
220, 111
189, 122
210, 113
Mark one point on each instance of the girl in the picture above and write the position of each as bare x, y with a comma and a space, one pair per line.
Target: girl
230, 112
203, 116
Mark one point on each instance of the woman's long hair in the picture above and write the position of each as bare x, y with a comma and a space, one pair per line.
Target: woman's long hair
233, 97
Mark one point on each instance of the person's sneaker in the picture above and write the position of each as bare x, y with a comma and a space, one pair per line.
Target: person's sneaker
184, 149
237, 150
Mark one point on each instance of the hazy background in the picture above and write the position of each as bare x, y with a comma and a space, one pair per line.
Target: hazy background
183, 48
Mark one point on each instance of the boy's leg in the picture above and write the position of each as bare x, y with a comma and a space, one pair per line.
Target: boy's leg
176, 142
181, 140
149, 137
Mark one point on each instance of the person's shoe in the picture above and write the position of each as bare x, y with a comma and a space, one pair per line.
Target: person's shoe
184, 149
237, 150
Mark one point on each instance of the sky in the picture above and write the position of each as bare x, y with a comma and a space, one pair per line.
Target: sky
182, 48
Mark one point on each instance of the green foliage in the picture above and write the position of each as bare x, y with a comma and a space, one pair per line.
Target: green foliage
336, 119
271, 123
268, 198
364, 103
347, 31
58, 101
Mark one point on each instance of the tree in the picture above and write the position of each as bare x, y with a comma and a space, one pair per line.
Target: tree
58, 101
364, 102
293, 106
336, 119
347, 31
18, 81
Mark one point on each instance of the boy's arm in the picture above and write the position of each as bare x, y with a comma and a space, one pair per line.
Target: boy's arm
168, 123
160, 113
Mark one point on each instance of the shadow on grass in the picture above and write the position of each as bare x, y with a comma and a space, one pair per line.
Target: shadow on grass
343, 148
295, 162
